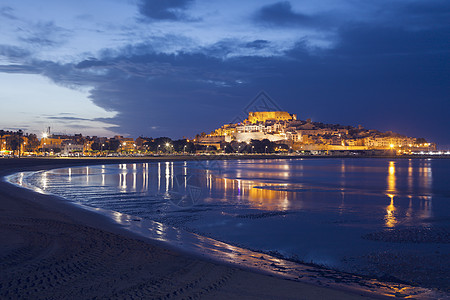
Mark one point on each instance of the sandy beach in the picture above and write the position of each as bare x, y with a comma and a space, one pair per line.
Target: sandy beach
50, 249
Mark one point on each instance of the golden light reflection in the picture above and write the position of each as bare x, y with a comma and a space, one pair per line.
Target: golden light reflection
391, 179
343, 169
410, 176
268, 199
390, 219
426, 205
409, 210
341, 207
426, 176
264, 197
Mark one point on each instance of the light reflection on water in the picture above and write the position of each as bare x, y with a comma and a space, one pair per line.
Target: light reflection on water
270, 186
314, 210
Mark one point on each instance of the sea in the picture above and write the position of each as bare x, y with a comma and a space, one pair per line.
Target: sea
375, 217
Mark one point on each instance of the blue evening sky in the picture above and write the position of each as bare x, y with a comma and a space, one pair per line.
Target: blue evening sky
179, 67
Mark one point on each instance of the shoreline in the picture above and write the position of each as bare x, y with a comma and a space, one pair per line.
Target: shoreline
229, 156
56, 209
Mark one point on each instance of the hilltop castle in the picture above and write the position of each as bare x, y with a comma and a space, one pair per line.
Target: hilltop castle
263, 116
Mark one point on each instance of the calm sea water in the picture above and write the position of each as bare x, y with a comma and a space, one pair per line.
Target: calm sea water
311, 210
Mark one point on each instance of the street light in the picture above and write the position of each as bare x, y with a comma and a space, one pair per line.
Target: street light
392, 148
265, 150
168, 147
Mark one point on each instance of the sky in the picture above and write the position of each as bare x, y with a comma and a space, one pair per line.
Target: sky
180, 67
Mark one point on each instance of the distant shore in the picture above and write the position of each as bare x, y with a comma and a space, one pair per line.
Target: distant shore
51, 249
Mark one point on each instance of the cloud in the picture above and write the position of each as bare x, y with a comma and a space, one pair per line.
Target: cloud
13, 52
7, 12
258, 44
44, 34
91, 63
370, 69
67, 118
421, 14
164, 10
398, 75
19, 69
281, 14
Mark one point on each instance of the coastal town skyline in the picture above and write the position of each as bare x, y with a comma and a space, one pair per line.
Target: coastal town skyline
260, 132
142, 68
281, 126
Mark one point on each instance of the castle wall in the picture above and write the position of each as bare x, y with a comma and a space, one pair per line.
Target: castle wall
262, 116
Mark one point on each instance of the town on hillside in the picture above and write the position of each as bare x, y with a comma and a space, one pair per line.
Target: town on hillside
262, 132
292, 134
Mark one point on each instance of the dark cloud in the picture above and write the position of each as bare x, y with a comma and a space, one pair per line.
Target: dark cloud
362, 39
13, 52
171, 91
21, 127
44, 34
67, 118
422, 14
90, 63
7, 12
78, 126
19, 69
258, 44
281, 14
385, 78
164, 9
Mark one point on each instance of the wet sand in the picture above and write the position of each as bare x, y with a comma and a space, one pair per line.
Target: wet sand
50, 249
